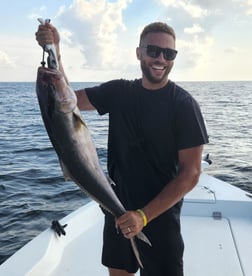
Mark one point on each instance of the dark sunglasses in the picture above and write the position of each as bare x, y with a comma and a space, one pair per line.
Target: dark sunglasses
155, 51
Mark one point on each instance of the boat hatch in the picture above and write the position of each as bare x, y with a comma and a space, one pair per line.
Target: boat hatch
209, 247
200, 194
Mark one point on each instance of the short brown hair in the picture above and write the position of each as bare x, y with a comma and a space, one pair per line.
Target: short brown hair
157, 27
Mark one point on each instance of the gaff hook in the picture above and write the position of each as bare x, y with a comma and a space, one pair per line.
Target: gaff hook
52, 61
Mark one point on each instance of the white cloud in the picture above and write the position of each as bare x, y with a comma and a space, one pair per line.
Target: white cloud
249, 7
98, 44
249, 11
226, 8
194, 29
6, 60
67, 37
37, 13
231, 50
19, 57
95, 27
195, 11
193, 23
194, 52
213, 4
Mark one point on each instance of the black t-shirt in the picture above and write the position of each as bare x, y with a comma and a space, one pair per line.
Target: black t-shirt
147, 128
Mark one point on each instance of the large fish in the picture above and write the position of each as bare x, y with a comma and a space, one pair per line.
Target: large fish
72, 142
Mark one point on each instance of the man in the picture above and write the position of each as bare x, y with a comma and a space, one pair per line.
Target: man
156, 138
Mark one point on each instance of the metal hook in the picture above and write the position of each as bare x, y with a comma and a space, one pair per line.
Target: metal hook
52, 60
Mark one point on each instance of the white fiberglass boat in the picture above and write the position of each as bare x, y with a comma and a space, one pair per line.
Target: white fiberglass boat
216, 226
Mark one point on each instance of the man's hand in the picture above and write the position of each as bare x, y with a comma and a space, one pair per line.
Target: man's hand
48, 34
131, 223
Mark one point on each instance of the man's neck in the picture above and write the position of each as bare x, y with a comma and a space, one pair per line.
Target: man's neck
154, 86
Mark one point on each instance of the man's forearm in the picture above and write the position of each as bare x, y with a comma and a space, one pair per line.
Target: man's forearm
171, 194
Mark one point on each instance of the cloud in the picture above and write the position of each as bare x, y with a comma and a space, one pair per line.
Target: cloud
194, 10
96, 41
205, 13
213, 4
97, 29
6, 60
231, 50
197, 22
37, 13
95, 26
20, 56
195, 29
96, 32
194, 52
248, 7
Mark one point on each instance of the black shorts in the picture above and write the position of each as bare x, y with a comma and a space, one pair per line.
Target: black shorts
163, 258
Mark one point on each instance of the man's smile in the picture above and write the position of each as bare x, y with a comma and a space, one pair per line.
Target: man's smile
158, 67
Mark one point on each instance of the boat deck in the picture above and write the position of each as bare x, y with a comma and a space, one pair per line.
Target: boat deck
209, 247
216, 225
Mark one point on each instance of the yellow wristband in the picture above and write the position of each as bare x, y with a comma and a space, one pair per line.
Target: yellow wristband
141, 212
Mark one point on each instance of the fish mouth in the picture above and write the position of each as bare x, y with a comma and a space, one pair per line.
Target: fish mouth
47, 75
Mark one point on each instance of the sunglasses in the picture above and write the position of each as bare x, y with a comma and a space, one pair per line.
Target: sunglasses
155, 51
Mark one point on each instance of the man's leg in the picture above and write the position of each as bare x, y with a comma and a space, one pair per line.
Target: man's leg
119, 272
117, 253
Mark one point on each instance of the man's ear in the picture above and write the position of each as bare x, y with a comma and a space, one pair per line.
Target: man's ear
138, 53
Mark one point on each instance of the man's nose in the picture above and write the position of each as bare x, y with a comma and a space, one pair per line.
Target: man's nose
161, 57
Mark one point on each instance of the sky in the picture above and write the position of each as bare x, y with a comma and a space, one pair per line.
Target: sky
99, 37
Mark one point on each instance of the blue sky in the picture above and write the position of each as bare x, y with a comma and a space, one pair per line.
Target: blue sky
99, 37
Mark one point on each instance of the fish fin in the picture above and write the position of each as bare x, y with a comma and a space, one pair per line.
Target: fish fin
65, 171
79, 117
110, 180
141, 236
136, 252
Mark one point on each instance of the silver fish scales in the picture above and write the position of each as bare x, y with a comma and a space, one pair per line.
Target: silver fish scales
72, 142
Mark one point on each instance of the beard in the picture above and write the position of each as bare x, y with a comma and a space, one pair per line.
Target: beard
153, 79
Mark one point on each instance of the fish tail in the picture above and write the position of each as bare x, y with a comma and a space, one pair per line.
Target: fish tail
143, 238
136, 252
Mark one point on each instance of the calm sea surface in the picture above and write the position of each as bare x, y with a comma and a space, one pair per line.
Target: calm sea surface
32, 189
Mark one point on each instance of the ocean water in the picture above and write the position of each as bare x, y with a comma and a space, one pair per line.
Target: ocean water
32, 189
